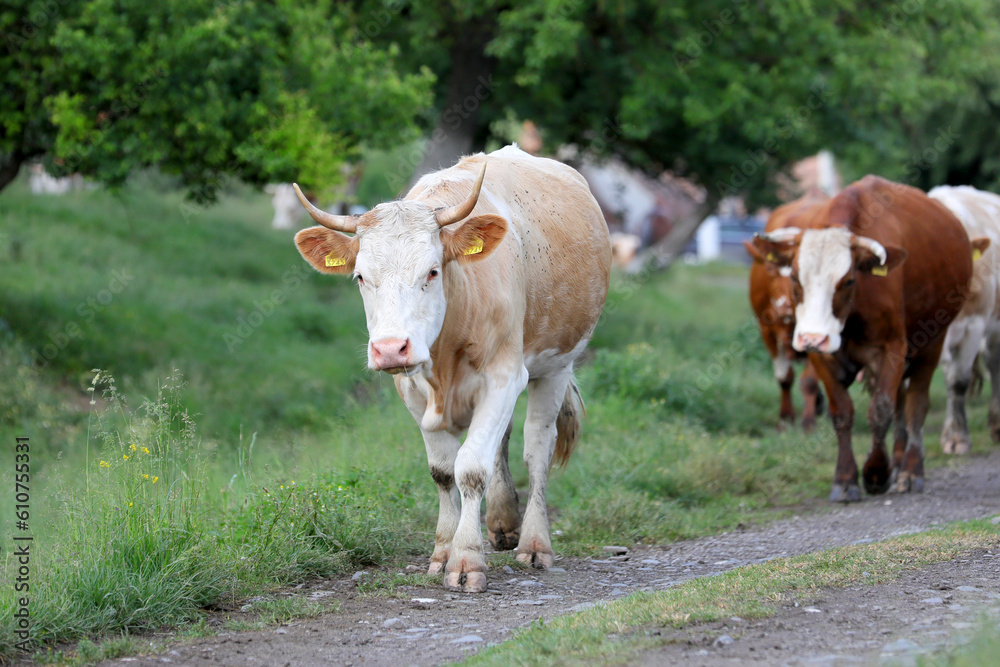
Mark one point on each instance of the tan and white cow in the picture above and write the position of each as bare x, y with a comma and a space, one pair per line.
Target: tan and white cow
487, 278
979, 320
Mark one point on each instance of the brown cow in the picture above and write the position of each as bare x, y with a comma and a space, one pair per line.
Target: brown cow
877, 277
771, 299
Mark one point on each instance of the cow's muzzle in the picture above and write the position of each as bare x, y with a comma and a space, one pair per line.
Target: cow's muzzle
811, 342
392, 355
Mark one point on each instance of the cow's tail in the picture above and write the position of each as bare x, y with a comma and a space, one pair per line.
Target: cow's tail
568, 424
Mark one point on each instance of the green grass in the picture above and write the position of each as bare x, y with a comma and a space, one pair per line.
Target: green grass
281, 458
616, 631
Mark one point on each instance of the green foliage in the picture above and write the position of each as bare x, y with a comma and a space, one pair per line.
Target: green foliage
729, 92
208, 91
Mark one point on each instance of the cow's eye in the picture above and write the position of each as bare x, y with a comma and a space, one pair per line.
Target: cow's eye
848, 283
361, 281
432, 275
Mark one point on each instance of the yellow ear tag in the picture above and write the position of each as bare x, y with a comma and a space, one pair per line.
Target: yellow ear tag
335, 261
976, 254
880, 271
771, 257
475, 248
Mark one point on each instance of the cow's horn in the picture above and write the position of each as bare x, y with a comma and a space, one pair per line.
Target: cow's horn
783, 235
871, 244
338, 223
446, 216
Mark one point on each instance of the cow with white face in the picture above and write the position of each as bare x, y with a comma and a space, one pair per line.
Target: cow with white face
486, 278
877, 277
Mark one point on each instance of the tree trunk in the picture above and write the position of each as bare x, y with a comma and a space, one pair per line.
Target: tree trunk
662, 254
470, 84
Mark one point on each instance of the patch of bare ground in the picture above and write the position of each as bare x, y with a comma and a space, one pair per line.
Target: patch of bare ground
853, 625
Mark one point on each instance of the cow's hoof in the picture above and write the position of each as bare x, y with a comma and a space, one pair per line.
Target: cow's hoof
909, 483
538, 559
955, 445
467, 582
436, 567
502, 541
845, 493
877, 480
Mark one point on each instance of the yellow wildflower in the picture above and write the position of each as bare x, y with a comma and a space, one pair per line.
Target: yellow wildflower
145, 476
125, 456
145, 450
154, 479
105, 464
130, 504
132, 447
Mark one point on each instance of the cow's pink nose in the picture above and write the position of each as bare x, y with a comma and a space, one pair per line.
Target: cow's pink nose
808, 342
391, 353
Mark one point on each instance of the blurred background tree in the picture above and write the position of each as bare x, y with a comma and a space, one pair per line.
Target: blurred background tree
207, 91
727, 92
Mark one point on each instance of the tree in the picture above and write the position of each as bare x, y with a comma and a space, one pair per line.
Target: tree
726, 92
208, 91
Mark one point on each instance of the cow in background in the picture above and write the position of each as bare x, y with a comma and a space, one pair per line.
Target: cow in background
473, 290
287, 210
979, 321
771, 299
877, 276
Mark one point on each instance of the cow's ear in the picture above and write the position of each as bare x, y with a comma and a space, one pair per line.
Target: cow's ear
475, 239
869, 262
328, 251
979, 246
755, 254
775, 253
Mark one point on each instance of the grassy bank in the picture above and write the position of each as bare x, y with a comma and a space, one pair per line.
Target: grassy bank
612, 633
277, 457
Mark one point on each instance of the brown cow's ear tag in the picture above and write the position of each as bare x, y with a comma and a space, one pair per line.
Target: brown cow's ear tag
771, 257
881, 271
335, 261
475, 248
976, 254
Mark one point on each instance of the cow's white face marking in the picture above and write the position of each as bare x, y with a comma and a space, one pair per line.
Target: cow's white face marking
403, 296
824, 258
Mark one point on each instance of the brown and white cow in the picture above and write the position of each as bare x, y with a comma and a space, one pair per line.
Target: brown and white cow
771, 299
487, 278
878, 275
979, 320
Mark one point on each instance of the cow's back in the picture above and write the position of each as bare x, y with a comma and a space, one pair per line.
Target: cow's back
979, 213
552, 270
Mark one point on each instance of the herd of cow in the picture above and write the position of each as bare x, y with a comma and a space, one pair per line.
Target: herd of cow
885, 280
489, 277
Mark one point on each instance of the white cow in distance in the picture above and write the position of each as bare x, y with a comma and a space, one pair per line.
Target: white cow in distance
486, 278
287, 210
978, 324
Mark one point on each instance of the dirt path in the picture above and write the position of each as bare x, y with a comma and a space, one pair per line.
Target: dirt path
429, 626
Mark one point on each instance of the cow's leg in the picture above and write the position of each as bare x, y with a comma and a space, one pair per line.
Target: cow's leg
911, 471
877, 471
545, 398
836, 382
957, 359
442, 448
785, 375
899, 430
812, 397
993, 366
466, 568
502, 519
